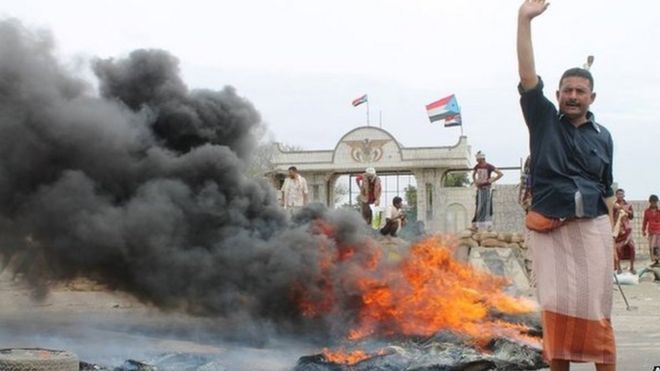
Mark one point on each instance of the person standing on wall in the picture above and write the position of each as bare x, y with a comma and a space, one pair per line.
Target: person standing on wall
483, 179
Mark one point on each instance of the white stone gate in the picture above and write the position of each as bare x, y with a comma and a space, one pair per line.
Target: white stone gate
374, 147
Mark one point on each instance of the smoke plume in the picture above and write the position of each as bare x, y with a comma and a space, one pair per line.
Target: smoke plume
142, 185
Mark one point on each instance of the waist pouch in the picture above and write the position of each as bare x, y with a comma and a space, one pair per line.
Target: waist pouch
538, 222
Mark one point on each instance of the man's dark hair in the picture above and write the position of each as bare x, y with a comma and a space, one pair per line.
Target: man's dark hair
396, 200
620, 190
653, 198
293, 168
578, 72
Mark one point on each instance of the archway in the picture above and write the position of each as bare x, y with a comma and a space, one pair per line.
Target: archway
398, 166
456, 218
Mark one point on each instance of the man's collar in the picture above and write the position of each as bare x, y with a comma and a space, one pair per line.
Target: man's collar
591, 119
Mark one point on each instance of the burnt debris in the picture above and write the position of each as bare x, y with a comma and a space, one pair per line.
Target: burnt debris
437, 354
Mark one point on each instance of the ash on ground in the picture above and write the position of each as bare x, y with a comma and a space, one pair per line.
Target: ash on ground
165, 362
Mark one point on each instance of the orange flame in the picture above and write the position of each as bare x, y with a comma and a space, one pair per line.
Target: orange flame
427, 292
345, 357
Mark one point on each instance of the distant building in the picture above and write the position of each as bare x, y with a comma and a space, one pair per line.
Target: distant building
441, 210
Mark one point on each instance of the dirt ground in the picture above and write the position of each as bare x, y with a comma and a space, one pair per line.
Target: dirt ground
637, 331
108, 327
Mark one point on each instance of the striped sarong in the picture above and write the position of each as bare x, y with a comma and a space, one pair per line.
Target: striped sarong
573, 269
483, 213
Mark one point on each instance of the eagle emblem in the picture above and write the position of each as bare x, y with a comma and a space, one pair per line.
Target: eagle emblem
367, 150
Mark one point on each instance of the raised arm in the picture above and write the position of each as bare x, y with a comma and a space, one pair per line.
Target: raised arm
526, 68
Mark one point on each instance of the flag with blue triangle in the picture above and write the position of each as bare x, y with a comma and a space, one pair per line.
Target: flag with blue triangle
445, 109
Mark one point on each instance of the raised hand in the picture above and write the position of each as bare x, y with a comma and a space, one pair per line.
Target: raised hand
531, 8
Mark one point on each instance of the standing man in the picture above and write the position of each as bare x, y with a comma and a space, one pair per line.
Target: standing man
481, 177
370, 190
623, 213
651, 227
571, 235
294, 191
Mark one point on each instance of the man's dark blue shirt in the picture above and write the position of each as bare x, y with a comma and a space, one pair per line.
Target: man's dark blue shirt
571, 167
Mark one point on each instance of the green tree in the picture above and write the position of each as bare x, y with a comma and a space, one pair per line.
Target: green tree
411, 195
341, 191
259, 163
411, 200
457, 180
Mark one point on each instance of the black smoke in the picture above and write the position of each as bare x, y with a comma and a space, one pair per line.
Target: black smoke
142, 185
183, 119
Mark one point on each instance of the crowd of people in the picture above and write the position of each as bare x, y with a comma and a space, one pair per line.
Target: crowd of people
624, 244
578, 225
295, 195
576, 221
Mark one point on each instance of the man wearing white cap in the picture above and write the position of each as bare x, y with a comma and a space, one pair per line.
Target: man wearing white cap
481, 177
370, 190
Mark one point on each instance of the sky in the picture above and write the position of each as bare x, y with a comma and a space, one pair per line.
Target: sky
302, 63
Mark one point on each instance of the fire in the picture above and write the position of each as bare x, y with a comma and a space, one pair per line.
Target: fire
350, 357
431, 292
320, 297
345, 357
427, 292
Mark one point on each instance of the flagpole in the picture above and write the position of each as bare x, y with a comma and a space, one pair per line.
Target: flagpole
459, 112
380, 119
368, 112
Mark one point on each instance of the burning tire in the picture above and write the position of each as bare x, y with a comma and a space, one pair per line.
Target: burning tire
35, 359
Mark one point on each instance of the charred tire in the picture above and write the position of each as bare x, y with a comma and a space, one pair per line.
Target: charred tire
36, 359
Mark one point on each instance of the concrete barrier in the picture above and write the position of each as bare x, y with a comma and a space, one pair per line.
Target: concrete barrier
502, 261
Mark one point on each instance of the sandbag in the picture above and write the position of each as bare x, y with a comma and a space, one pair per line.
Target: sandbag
626, 278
